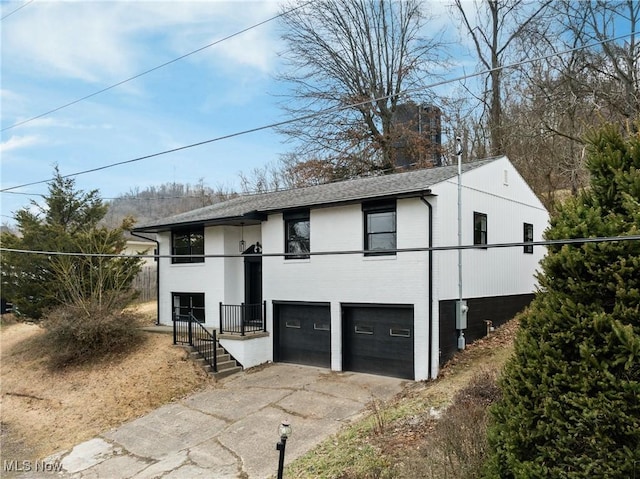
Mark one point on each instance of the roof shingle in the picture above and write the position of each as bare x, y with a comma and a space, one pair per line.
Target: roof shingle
235, 209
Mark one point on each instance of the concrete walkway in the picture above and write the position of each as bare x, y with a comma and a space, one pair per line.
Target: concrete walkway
229, 431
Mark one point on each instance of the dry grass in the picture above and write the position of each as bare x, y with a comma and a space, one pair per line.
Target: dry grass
43, 411
456, 446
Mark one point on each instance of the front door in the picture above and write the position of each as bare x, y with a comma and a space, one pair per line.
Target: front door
252, 277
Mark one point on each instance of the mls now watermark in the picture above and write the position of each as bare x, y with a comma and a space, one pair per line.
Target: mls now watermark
31, 466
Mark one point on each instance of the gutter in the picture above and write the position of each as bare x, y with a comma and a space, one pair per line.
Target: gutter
157, 274
430, 282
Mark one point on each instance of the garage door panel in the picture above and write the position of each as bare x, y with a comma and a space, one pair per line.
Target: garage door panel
391, 356
378, 343
379, 340
396, 368
304, 334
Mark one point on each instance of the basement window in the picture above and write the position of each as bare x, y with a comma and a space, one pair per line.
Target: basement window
189, 304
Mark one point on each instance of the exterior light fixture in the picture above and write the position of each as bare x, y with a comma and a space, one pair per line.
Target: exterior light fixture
242, 245
284, 430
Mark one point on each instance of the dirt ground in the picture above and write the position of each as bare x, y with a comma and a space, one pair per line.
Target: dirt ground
43, 411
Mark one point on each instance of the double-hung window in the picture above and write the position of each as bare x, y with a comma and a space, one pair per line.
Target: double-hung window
297, 235
189, 304
186, 243
479, 228
380, 235
527, 237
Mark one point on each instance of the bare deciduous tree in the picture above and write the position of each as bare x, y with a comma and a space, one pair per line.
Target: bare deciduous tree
354, 52
291, 171
496, 27
94, 283
591, 79
613, 67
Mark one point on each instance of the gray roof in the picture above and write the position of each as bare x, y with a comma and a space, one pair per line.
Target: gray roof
249, 209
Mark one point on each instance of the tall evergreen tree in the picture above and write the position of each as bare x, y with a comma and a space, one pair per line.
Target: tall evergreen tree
571, 392
66, 222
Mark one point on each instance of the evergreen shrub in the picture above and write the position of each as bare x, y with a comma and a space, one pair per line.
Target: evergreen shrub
570, 404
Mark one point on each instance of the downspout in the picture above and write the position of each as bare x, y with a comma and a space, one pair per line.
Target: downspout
430, 282
461, 306
157, 274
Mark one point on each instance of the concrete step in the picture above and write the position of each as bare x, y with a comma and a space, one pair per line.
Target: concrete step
227, 365
221, 358
221, 366
227, 372
225, 362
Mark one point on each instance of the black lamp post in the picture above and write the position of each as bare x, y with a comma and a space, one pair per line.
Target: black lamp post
285, 431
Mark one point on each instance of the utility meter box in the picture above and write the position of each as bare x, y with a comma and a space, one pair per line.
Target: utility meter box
461, 314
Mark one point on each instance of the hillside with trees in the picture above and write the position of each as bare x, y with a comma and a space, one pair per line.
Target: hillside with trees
160, 201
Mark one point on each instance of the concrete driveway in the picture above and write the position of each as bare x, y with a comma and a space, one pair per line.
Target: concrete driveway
229, 431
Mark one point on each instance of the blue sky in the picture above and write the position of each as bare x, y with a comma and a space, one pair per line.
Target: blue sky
54, 52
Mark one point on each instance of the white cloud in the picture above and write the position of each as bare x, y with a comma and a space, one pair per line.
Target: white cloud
49, 123
68, 39
251, 49
8, 95
103, 42
17, 142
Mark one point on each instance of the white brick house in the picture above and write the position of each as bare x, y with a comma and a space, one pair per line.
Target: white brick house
367, 284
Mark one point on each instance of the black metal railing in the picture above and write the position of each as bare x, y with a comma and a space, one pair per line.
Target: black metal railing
243, 318
188, 330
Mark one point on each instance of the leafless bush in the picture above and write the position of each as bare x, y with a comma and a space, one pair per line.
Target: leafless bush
378, 414
458, 447
78, 334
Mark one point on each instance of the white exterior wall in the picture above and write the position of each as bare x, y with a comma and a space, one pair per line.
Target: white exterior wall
485, 272
491, 271
134, 247
207, 277
249, 352
220, 279
352, 278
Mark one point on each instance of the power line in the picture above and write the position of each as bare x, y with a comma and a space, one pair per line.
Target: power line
182, 57
125, 197
328, 111
519, 244
135, 198
14, 11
